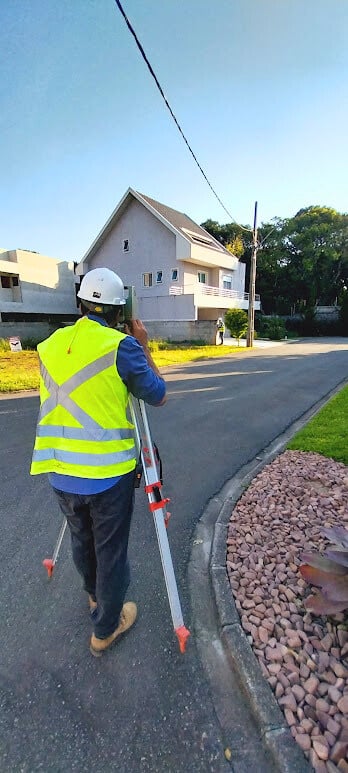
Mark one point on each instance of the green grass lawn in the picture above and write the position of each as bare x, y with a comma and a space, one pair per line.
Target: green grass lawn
20, 370
192, 354
327, 432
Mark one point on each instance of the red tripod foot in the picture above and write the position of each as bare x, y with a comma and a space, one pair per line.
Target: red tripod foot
49, 565
182, 634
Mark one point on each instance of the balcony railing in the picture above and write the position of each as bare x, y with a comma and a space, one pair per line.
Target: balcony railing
204, 289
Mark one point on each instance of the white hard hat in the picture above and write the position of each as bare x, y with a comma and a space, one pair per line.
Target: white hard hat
102, 286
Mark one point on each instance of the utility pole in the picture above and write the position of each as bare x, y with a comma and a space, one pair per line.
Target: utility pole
251, 308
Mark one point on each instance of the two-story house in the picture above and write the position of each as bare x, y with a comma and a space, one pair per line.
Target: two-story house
179, 271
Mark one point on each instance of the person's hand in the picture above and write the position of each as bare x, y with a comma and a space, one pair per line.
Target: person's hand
136, 328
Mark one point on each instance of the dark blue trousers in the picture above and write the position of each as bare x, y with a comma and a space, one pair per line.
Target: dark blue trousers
99, 525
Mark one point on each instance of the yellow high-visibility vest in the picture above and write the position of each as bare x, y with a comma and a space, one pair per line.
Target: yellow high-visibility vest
82, 429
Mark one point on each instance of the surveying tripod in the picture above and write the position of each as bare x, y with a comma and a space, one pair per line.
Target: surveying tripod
158, 507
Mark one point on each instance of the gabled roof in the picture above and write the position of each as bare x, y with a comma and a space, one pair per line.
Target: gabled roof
177, 222
185, 225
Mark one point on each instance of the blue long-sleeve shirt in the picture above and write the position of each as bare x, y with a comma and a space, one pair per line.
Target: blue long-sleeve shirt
142, 382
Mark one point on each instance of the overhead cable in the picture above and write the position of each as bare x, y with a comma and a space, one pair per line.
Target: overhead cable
140, 47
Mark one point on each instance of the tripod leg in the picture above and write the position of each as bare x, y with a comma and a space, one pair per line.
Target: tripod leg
157, 506
49, 563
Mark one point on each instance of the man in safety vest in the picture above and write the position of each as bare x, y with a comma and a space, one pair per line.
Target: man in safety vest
85, 442
220, 325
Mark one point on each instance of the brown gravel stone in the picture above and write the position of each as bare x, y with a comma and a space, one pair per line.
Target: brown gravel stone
328, 676
289, 716
340, 670
307, 725
304, 657
298, 692
339, 751
331, 767
279, 690
283, 679
274, 668
318, 765
326, 642
304, 671
334, 694
342, 704
321, 748
333, 727
329, 737
303, 741
263, 634
311, 685
322, 705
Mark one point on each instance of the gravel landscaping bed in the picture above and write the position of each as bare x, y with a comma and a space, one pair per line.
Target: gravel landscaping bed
304, 658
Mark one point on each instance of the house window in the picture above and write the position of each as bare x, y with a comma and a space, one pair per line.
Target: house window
147, 279
227, 282
6, 282
174, 274
159, 277
125, 245
202, 277
15, 281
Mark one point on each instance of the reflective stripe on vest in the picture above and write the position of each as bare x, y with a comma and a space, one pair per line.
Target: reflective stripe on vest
60, 395
46, 454
78, 433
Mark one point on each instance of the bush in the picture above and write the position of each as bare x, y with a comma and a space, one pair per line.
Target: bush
4, 345
155, 345
273, 328
31, 343
236, 321
308, 326
158, 345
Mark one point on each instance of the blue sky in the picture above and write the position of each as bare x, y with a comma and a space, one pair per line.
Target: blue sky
258, 86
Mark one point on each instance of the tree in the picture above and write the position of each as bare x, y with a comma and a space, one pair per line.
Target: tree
315, 245
235, 239
236, 247
302, 261
236, 321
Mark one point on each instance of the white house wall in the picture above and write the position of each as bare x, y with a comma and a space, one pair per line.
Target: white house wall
46, 285
152, 247
166, 308
237, 278
217, 258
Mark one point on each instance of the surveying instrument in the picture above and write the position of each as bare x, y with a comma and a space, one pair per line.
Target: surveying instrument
149, 464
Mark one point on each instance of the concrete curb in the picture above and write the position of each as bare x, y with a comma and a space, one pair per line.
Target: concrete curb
275, 733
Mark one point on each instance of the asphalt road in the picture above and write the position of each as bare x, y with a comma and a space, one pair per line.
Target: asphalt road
143, 706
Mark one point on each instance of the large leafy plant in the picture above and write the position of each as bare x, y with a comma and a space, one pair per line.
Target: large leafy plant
329, 572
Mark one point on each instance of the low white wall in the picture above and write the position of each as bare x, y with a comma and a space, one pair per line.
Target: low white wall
36, 330
167, 307
182, 330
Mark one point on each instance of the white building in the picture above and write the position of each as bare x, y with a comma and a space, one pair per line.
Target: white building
34, 287
179, 271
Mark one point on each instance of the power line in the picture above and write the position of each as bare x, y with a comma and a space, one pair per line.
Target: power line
140, 47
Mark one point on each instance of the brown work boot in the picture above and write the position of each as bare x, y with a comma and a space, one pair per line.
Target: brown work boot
92, 603
127, 618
